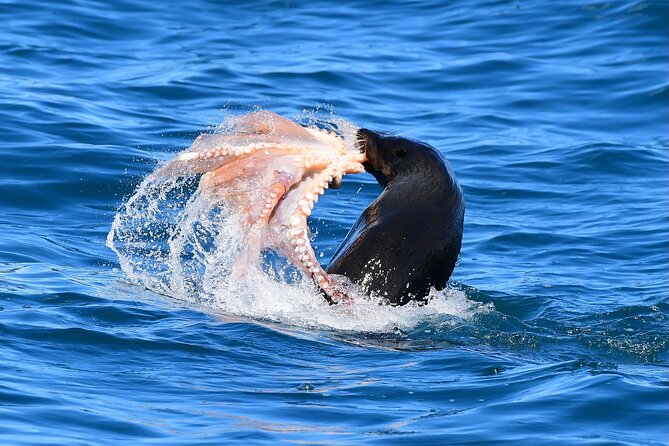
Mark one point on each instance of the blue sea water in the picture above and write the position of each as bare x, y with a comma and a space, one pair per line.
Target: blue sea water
555, 118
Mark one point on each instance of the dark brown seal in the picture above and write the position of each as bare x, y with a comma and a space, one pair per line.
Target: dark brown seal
409, 238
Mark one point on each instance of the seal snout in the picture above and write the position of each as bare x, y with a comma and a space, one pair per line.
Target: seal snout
368, 144
366, 140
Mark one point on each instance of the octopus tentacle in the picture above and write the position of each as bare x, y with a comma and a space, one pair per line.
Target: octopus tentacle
304, 257
272, 171
276, 192
299, 241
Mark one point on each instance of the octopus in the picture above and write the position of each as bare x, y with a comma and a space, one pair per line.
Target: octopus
270, 172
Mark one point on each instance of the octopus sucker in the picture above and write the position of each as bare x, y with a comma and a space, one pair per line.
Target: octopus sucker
269, 172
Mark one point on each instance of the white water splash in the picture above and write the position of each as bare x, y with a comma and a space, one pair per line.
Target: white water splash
181, 244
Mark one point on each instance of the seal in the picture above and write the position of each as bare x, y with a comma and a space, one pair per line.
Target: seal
408, 240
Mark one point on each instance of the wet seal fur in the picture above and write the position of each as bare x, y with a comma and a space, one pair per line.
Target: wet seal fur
408, 240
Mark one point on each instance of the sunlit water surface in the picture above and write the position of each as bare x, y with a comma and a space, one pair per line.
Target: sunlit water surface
554, 330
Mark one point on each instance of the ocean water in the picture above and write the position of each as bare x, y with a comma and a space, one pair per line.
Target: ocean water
554, 330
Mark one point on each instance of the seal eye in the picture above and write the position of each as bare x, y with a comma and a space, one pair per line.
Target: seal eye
400, 153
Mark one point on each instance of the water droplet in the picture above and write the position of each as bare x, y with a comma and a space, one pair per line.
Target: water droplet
398, 331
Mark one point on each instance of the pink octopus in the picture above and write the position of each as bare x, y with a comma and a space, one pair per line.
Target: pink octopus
272, 172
